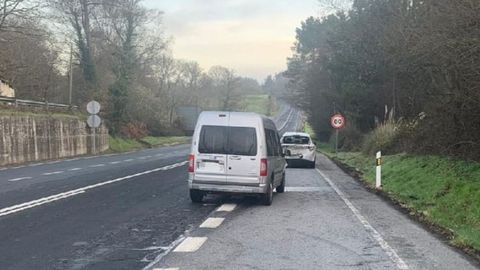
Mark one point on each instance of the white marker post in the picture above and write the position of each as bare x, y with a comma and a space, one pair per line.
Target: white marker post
378, 182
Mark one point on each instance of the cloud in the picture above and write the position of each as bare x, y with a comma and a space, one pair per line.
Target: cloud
253, 37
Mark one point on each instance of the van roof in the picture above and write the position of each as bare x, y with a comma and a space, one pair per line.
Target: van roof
212, 117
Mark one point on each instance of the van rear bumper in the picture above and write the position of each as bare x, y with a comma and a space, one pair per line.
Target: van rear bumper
228, 188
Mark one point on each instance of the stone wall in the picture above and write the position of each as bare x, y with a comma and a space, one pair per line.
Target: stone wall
34, 137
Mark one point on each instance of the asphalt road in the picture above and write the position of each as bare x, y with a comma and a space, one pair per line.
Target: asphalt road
105, 212
132, 211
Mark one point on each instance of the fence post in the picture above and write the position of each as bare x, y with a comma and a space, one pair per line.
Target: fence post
378, 182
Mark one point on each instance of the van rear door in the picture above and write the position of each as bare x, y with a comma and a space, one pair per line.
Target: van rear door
243, 164
212, 153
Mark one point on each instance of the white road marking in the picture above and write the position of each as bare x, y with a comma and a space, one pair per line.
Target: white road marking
142, 158
128, 160
303, 189
191, 244
159, 155
227, 207
373, 232
212, 223
163, 254
19, 179
97, 165
53, 173
115, 162
75, 169
64, 195
166, 268
35, 165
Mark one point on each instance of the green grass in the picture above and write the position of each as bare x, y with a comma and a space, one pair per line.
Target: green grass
118, 144
260, 104
160, 141
445, 191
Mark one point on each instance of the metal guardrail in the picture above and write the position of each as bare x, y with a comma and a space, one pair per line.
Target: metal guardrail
22, 102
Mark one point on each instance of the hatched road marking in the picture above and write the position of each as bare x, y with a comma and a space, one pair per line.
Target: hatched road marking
227, 207
373, 232
191, 244
212, 223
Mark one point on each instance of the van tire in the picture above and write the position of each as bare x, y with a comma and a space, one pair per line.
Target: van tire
196, 196
267, 198
281, 188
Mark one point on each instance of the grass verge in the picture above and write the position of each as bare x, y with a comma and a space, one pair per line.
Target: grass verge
118, 144
441, 192
262, 104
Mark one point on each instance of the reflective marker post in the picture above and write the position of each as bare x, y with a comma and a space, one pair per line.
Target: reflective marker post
378, 182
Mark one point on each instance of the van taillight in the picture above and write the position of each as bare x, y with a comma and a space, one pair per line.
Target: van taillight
191, 163
263, 167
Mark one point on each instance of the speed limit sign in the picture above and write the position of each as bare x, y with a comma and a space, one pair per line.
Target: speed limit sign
337, 121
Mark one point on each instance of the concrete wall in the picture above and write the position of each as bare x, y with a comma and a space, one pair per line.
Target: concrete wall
27, 138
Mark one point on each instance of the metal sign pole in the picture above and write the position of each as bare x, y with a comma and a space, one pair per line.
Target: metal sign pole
94, 149
336, 141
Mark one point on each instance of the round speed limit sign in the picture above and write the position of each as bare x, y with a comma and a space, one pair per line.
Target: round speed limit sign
337, 121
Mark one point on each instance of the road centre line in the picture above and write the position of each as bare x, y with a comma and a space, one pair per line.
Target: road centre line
191, 244
97, 165
128, 160
23, 206
373, 232
114, 162
227, 207
53, 173
74, 169
212, 223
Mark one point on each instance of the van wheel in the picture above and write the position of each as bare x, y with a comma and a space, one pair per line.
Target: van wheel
196, 196
267, 198
281, 188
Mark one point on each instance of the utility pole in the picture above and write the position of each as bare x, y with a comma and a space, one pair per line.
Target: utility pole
70, 76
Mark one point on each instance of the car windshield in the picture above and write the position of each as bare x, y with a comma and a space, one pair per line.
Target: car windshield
296, 139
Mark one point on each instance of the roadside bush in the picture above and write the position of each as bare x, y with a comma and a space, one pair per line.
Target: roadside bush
349, 138
385, 138
134, 130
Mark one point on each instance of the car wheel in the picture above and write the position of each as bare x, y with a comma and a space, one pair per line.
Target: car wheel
281, 188
196, 196
267, 198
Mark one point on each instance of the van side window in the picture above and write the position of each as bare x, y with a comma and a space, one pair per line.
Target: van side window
242, 141
272, 148
213, 140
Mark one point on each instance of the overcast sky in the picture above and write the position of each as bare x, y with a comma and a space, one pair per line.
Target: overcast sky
254, 37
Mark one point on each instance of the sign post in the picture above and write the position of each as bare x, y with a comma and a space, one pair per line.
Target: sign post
338, 122
94, 122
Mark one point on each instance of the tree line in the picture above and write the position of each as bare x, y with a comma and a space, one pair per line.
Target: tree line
415, 63
121, 57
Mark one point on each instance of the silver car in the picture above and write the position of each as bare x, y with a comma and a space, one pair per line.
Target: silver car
235, 152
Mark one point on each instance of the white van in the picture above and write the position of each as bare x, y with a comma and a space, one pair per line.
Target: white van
236, 152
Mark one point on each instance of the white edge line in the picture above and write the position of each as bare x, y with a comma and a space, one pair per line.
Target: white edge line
373, 232
190, 244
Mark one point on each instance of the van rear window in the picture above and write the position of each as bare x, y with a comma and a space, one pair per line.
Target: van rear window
241, 141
